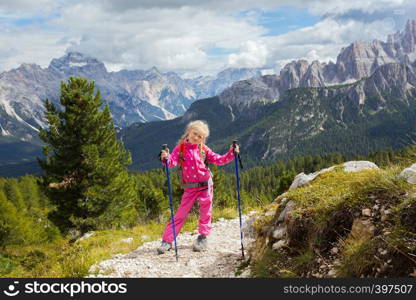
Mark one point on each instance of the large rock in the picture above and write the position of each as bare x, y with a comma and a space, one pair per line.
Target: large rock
356, 166
409, 174
288, 208
302, 178
248, 227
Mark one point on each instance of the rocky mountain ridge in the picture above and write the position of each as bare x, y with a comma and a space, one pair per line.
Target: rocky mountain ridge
357, 61
354, 119
133, 95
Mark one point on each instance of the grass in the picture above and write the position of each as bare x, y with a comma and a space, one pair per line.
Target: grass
63, 259
358, 258
337, 189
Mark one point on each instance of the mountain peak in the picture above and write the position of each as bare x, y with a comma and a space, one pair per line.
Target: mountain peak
28, 66
154, 70
235, 73
76, 60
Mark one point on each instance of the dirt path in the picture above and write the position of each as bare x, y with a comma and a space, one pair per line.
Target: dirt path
220, 260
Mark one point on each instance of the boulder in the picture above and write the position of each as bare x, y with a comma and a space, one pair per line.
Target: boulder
248, 227
302, 178
409, 174
356, 166
288, 208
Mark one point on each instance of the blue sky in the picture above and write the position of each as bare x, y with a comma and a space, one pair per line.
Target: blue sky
285, 19
192, 37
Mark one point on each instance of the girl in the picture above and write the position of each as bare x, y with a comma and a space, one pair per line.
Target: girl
192, 155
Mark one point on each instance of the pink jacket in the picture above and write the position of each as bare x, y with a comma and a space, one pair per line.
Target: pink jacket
194, 169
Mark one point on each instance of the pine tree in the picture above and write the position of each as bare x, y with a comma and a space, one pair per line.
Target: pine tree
85, 166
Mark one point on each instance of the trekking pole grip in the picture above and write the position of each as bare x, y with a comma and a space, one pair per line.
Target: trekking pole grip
235, 142
164, 148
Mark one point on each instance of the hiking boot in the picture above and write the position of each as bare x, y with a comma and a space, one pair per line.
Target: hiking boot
200, 243
165, 246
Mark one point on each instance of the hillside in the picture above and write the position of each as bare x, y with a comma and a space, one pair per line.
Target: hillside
346, 222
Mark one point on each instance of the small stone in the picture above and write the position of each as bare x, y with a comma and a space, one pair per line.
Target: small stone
127, 240
246, 273
382, 252
332, 273
337, 262
376, 207
362, 228
279, 233
366, 212
279, 244
87, 235
334, 250
270, 213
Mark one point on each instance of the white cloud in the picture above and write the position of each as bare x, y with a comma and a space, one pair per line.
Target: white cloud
182, 35
28, 46
334, 7
169, 39
252, 54
14, 10
321, 41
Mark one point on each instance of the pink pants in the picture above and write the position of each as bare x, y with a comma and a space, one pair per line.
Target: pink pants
205, 209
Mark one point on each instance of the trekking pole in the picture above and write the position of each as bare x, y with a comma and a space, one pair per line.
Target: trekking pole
165, 147
237, 157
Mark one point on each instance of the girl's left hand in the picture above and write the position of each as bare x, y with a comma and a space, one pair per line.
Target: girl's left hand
236, 149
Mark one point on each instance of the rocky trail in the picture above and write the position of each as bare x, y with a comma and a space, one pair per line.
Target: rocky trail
221, 259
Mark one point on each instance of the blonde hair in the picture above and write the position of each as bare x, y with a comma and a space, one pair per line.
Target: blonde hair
201, 127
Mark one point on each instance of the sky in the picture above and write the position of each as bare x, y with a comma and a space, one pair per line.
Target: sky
193, 37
